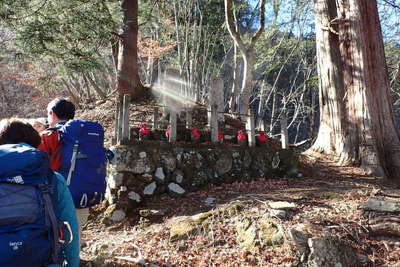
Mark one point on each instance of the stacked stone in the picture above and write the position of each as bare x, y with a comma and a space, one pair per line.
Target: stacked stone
141, 171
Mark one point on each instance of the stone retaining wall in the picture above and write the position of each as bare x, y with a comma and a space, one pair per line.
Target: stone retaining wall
141, 171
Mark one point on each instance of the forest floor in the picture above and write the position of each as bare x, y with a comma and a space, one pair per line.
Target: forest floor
325, 195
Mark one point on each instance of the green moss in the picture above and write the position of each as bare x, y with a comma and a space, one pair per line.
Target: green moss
199, 218
109, 210
232, 209
247, 235
144, 223
181, 230
247, 239
270, 233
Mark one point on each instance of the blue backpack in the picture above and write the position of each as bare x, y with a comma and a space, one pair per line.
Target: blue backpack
29, 227
83, 161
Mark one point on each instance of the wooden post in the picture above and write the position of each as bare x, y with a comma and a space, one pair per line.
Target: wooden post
125, 121
120, 120
261, 125
155, 118
189, 119
219, 97
284, 132
173, 123
251, 129
209, 115
216, 99
115, 139
214, 124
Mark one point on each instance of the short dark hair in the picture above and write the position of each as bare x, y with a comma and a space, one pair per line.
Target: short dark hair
64, 109
13, 131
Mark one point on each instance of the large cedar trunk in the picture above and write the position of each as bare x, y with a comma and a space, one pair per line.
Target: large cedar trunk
128, 68
357, 123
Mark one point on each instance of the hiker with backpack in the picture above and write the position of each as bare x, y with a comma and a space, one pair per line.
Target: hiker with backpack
76, 150
38, 224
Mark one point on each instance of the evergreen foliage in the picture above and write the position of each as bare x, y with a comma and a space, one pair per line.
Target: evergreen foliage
71, 32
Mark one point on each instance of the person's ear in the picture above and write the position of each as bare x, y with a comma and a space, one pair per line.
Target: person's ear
54, 116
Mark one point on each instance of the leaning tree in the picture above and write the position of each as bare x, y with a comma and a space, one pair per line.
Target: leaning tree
357, 122
247, 51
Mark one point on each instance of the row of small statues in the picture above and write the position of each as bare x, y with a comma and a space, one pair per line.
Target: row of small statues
195, 135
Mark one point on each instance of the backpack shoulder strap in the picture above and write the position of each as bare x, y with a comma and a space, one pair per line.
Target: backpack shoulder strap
49, 191
73, 163
56, 127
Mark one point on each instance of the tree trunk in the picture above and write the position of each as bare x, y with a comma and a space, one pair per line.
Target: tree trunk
128, 69
102, 94
115, 51
235, 84
273, 112
313, 100
247, 53
246, 92
75, 98
357, 123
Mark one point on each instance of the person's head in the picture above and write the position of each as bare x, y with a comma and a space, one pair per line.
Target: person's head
40, 124
58, 110
14, 131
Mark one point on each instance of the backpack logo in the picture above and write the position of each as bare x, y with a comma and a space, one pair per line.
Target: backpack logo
15, 245
16, 180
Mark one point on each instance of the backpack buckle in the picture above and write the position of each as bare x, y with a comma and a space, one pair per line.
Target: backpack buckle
66, 226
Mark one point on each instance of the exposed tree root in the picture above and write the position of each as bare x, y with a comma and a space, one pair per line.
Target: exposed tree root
386, 226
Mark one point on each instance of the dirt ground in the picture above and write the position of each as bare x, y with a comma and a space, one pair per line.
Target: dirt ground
327, 197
